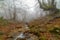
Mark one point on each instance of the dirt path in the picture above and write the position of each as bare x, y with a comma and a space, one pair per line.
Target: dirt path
7, 31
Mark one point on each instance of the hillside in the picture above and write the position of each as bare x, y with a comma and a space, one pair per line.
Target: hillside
40, 30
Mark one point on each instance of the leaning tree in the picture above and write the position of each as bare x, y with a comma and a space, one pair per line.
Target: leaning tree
49, 5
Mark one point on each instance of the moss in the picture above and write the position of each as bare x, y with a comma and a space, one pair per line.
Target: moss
43, 38
1, 33
55, 31
3, 22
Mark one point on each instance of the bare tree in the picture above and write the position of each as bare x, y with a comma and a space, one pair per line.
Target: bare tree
50, 6
47, 6
9, 9
14, 18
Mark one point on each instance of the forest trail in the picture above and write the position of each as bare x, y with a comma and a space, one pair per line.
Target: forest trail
14, 28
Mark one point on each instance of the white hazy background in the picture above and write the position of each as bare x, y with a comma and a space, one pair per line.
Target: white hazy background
26, 10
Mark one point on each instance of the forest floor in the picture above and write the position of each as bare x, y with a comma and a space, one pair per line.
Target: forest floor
43, 30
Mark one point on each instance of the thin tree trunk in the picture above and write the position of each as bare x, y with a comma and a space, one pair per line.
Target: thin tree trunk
14, 18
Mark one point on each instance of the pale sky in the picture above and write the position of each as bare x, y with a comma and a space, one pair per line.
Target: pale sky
28, 3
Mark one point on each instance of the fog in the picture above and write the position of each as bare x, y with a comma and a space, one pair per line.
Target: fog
26, 10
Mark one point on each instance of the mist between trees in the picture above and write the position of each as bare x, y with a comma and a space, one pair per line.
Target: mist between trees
27, 10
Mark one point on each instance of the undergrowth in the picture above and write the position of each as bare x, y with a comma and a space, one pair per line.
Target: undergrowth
3, 22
